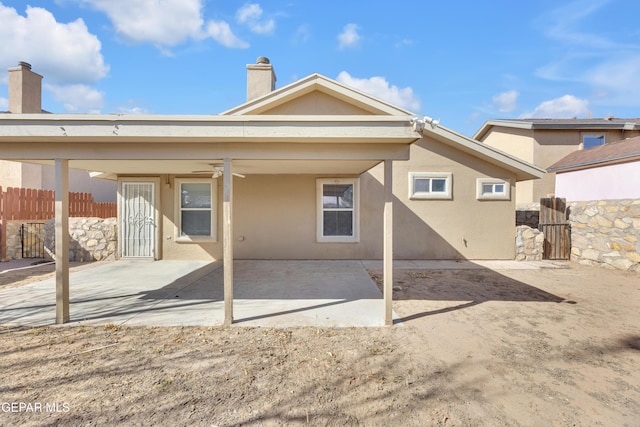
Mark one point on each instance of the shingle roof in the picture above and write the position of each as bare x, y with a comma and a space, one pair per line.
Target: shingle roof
613, 152
570, 124
596, 121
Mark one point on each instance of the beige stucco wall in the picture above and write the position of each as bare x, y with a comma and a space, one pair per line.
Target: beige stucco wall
275, 215
519, 143
543, 147
463, 227
42, 177
316, 103
10, 174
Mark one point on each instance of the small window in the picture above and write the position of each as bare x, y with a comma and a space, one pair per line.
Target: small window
430, 185
196, 215
590, 141
337, 210
493, 189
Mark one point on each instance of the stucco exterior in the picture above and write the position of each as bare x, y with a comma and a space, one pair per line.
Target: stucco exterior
544, 142
312, 170
608, 182
275, 215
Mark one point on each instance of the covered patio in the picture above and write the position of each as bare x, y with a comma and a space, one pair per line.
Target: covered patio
142, 146
181, 293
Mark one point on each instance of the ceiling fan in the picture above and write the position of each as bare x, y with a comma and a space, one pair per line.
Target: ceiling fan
216, 171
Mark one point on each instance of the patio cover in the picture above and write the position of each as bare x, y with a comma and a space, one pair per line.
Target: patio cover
247, 144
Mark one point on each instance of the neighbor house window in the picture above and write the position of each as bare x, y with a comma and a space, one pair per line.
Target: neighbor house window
590, 141
195, 213
430, 185
492, 189
337, 210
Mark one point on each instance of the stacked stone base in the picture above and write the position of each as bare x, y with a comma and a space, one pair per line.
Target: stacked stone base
90, 239
606, 233
529, 243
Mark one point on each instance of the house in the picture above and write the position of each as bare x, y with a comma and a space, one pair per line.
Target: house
605, 172
25, 97
545, 141
313, 170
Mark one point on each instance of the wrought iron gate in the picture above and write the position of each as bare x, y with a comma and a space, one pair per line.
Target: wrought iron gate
32, 239
555, 227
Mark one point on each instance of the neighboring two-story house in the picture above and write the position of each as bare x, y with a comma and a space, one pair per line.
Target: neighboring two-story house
544, 142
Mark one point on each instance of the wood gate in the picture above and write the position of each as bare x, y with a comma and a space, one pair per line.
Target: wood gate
555, 227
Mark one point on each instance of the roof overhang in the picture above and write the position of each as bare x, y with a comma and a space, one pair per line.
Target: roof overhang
126, 144
523, 170
551, 125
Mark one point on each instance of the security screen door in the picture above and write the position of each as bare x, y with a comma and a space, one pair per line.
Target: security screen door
138, 220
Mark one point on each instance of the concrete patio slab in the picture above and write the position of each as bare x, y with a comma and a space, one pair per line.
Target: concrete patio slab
175, 293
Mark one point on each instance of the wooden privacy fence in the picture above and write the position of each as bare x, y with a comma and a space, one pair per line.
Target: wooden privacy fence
555, 227
28, 203
31, 204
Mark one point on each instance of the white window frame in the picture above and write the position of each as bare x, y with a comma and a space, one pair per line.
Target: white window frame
321, 238
504, 195
213, 237
447, 194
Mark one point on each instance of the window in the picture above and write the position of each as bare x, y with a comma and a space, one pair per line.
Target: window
196, 214
430, 185
492, 189
590, 141
337, 210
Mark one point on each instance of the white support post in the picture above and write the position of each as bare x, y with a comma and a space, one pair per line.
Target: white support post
227, 213
62, 240
387, 255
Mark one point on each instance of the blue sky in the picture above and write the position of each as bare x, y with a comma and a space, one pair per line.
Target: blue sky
461, 61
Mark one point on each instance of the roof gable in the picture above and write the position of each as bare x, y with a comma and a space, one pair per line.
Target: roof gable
317, 95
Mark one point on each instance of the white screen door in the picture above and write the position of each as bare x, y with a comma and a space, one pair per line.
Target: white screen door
138, 220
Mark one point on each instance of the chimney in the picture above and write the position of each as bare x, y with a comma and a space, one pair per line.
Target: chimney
25, 90
260, 78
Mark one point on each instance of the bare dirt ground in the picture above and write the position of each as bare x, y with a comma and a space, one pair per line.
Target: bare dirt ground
475, 347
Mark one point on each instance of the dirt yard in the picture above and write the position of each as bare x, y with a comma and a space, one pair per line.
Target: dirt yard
546, 347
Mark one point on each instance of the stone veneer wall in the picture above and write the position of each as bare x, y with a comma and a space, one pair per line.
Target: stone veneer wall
606, 233
91, 239
529, 243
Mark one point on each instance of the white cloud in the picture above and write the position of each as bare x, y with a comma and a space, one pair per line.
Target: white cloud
565, 107
616, 81
349, 37
603, 60
380, 88
221, 32
250, 15
506, 102
62, 53
165, 23
302, 34
133, 110
77, 98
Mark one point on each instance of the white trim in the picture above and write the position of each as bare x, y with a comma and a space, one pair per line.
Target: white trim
321, 238
178, 211
156, 220
505, 195
447, 194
